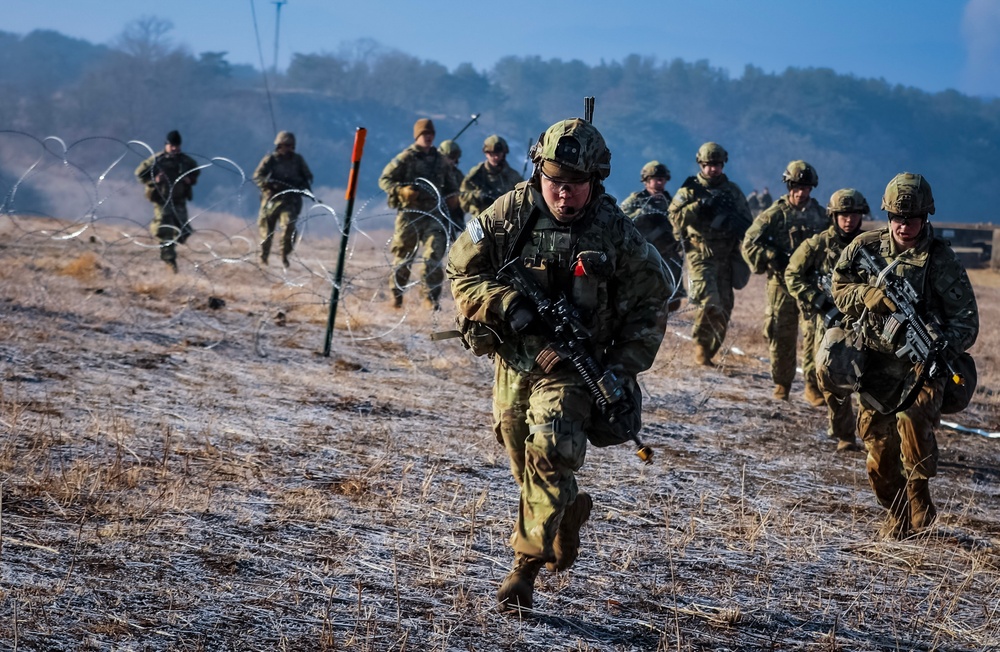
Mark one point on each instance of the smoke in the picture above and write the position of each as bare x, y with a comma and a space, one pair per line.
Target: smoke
981, 30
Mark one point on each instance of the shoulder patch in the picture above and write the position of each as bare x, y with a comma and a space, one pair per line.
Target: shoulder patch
475, 231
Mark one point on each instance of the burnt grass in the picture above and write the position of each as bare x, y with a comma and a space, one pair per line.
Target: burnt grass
183, 473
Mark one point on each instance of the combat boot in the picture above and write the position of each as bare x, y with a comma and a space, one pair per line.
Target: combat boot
397, 299
566, 546
922, 510
518, 588
897, 521
702, 356
813, 396
781, 392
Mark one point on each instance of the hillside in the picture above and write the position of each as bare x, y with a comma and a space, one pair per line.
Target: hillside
857, 132
180, 470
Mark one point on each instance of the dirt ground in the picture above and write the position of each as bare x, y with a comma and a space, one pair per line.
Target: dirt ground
181, 469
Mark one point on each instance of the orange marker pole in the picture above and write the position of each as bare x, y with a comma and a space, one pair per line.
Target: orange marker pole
338, 277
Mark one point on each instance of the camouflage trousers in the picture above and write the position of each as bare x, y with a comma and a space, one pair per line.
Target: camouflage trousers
273, 213
542, 421
902, 445
418, 230
171, 227
782, 322
839, 402
710, 288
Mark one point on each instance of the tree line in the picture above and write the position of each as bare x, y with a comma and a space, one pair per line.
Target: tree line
856, 132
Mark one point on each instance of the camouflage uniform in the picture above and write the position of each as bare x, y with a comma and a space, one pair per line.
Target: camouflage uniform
650, 213
484, 184
543, 412
767, 246
170, 224
544, 420
813, 259
902, 449
419, 220
456, 214
452, 154
711, 239
275, 174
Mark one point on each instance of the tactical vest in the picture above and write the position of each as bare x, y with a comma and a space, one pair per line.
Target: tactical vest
574, 259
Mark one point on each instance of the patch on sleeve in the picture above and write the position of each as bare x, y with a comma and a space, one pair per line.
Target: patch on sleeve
475, 231
955, 292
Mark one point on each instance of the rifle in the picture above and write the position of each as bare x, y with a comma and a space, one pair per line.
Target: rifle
823, 303
568, 334
475, 118
780, 261
724, 212
588, 108
923, 341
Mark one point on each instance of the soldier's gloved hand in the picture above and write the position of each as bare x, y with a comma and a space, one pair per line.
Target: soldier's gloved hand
820, 302
876, 301
520, 316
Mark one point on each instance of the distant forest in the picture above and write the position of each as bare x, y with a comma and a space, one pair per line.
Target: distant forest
856, 132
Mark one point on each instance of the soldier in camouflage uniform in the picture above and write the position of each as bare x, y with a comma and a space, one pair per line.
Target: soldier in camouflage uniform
281, 176
575, 241
489, 179
902, 449
452, 154
808, 277
710, 215
649, 209
417, 183
767, 246
168, 177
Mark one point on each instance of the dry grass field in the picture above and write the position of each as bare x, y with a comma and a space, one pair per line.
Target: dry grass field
180, 469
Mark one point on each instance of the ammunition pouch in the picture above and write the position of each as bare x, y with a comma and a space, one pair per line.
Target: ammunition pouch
477, 336
839, 365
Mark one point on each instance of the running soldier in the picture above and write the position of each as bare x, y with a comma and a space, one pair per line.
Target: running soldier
767, 246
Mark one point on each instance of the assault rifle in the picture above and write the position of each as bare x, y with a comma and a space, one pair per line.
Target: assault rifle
823, 303
923, 341
566, 332
723, 211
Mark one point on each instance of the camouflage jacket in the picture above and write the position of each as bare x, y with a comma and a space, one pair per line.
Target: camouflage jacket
651, 217
622, 296
410, 165
709, 209
456, 213
814, 258
276, 173
933, 270
777, 232
484, 184
174, 167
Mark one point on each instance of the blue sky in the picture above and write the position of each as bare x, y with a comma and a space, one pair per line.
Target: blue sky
930, 44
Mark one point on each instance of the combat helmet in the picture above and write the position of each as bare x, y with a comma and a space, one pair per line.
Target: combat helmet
284, 138
450, 149
575, 148
654, 169
847, 200
711, 153
800, 173
908, 194
496, 145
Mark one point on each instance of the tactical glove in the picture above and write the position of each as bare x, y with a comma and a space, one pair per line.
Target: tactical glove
409, 196
876, 301
520, 315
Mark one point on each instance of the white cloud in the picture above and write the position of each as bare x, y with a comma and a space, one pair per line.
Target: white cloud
981, 30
